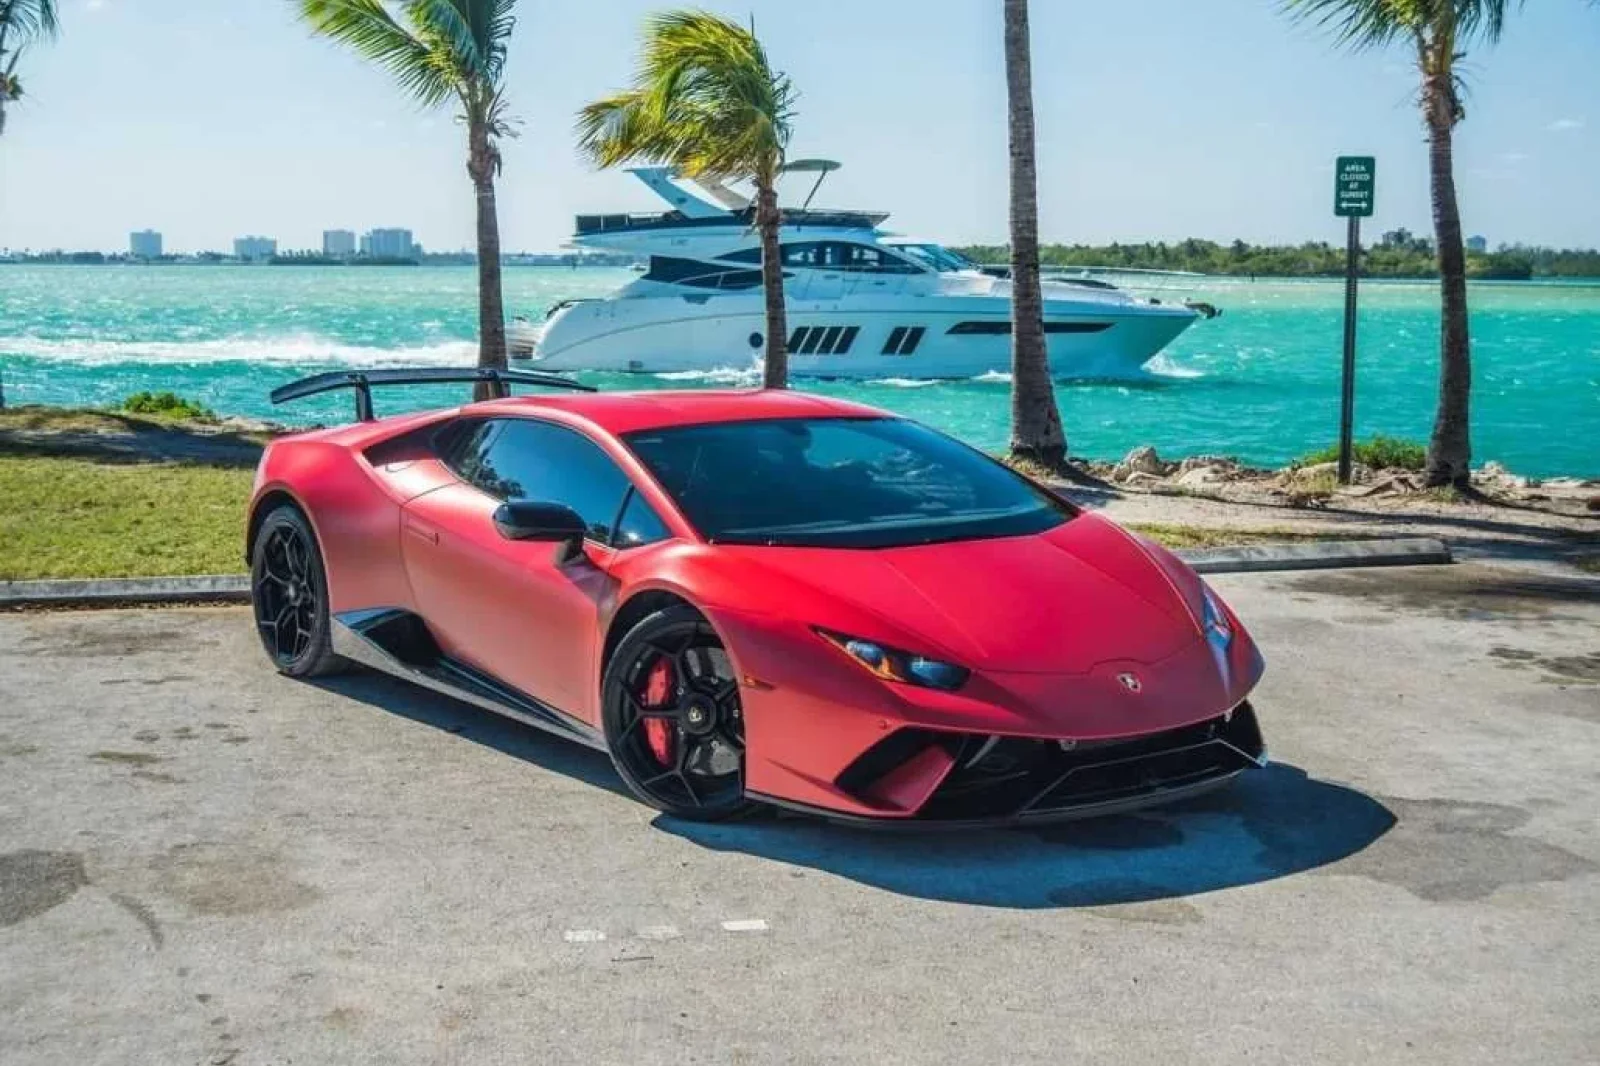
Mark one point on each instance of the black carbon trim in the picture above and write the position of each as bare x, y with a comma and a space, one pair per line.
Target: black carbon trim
1000, 779
398, 642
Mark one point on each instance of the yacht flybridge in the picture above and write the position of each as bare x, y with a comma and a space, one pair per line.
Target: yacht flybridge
861, 302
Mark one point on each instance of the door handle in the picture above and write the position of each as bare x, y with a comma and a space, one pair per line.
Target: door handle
422, 532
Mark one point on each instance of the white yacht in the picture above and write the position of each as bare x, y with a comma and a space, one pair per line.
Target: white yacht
861, 303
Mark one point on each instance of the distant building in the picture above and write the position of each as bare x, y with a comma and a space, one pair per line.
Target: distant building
1478, 244
390, 244
338, 242
145, 244
254, 249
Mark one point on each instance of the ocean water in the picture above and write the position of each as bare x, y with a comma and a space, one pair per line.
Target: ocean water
1260, 383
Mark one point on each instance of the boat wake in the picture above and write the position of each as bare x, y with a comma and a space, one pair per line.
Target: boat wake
904, 383
287, 350
722, 375
1162, 366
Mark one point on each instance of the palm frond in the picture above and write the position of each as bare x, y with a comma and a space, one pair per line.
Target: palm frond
1376, 23
1360, 23
704, 99
427, 73
25, 20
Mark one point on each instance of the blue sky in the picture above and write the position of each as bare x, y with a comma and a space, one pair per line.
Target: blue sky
1158, 119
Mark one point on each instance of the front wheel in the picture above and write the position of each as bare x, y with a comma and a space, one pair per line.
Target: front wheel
289, 596
673, 720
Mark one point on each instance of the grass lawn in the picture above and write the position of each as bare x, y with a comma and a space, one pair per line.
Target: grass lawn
77, 518
67, 518
1176, 536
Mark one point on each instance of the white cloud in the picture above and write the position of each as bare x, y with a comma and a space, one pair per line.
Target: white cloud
1562, 125
1513, 157
94, 5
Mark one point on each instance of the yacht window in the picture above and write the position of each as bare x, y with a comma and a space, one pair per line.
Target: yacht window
936, 257
903, 340
831, 255
867, 259
811, 254
700, 275
808, 255
823, 340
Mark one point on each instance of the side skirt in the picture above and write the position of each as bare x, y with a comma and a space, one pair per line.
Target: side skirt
398, 642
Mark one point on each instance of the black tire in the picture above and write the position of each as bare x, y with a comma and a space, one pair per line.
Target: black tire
698, 773
289, 596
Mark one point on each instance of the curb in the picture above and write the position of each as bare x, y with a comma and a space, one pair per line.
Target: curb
117, 591
235, 588
1317, 555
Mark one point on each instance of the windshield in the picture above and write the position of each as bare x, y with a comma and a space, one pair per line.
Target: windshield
840, 483
939, 258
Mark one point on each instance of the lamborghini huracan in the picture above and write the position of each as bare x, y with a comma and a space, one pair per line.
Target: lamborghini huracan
752, 599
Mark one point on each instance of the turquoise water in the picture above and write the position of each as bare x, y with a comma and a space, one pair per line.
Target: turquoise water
1261, 382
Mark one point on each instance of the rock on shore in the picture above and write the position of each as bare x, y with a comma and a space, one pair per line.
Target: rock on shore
1144, 469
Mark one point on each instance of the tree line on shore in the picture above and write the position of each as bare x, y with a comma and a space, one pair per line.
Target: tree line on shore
1312, 259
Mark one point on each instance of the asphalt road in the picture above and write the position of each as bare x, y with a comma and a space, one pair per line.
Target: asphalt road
201, 862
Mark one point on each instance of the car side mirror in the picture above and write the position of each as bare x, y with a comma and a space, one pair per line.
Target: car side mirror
533, 520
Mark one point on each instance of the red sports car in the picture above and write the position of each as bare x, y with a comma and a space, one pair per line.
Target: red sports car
749, 598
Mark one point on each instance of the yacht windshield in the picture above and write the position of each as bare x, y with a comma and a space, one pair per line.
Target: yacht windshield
939, 258
840, 483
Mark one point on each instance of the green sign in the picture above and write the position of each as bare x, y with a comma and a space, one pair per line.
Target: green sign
1354, 177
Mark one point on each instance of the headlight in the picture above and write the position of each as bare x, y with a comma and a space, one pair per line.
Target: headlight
1215, 622
892, 664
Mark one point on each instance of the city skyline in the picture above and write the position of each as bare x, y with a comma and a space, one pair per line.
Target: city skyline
1157, 121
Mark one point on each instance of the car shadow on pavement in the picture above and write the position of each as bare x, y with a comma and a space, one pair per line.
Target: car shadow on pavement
504, 735
1270, 823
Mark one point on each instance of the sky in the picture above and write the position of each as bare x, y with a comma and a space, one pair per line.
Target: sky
1157, 120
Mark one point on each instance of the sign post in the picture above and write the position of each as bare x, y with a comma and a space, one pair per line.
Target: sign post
1355, 177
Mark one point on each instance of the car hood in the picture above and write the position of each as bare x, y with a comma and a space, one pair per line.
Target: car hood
1061, 601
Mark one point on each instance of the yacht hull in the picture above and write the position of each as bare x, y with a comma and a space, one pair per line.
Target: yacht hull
930, 337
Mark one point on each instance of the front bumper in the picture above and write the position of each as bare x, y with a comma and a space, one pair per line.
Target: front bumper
924, 778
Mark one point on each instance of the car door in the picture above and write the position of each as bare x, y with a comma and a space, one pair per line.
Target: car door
509, 607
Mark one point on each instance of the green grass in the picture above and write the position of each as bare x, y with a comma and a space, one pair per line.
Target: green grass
1181, 536
1379, 453
67, 518
167, 405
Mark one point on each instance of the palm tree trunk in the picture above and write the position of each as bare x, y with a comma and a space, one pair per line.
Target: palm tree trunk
1036, 432
491, 300
1450, 448
769, 219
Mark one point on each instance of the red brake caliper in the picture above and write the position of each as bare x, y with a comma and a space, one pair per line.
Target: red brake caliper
658, 692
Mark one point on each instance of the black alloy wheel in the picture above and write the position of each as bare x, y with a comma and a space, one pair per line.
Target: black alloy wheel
673, 719
288, 592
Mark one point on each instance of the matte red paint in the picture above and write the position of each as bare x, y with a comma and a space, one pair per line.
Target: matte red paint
1046, 623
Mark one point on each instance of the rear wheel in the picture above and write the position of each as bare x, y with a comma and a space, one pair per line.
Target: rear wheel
673, 720
289, 594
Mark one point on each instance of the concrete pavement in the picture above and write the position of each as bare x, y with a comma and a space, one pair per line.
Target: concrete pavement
203, 862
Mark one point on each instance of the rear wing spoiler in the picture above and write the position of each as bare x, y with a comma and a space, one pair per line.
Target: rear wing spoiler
363, 380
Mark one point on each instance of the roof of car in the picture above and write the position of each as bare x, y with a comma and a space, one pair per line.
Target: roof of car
627, 412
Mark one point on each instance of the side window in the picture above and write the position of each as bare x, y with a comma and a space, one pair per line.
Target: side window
523, 459
805, 254
639, 524
865, 259
461, 446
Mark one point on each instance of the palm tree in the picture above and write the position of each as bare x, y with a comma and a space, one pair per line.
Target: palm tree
21, 21
1036, 433
441, 50
1439, 32
706, 101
